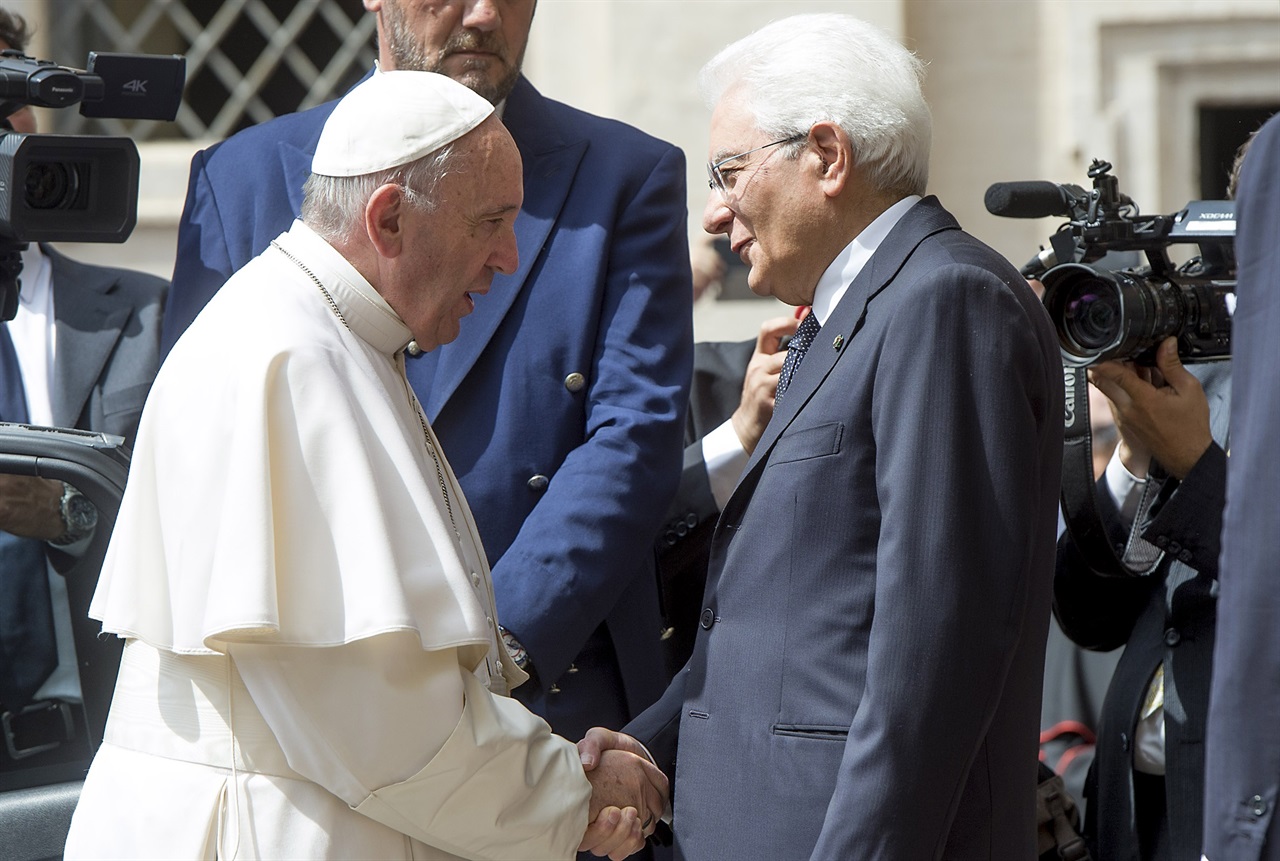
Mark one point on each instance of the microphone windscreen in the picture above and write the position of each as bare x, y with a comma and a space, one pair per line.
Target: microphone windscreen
1032, 199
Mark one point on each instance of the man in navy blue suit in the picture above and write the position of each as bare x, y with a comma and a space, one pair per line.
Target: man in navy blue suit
866, 677
561, 403
1242, 741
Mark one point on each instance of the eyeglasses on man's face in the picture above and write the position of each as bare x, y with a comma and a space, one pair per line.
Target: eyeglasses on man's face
722, 179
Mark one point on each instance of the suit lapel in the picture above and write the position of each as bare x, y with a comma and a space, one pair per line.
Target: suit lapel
88, 325
296, 162
836, 336
550, 163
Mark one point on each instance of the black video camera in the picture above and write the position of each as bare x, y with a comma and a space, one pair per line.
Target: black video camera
74, 188
1124, 314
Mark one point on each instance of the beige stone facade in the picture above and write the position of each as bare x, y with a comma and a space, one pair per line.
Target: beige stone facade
1020, 89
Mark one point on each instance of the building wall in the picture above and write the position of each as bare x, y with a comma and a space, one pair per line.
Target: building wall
1020, 89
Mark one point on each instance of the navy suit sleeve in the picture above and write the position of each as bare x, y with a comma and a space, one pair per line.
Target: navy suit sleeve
203, 263
1242, 746
960, 482
1192, 516
583, 543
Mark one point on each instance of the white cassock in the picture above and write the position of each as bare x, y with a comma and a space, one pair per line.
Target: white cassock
312, 665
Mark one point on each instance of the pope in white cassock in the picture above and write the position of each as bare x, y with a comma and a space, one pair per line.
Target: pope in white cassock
312, 665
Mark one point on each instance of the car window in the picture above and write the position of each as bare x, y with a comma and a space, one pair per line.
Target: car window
43, 724
56, 673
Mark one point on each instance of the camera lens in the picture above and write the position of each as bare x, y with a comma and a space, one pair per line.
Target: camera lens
1091, 313
51, 185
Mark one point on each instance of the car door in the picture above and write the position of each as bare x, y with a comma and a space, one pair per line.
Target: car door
47, 742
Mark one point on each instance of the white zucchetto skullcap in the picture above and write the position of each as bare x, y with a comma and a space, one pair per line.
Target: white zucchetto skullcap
394, 118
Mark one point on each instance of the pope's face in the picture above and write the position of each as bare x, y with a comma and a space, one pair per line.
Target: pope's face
452, 252
479, 43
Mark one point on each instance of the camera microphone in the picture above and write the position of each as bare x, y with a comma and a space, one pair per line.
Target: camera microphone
1033, 199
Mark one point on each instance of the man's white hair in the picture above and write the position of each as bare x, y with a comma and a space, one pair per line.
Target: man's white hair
833, 67
333, 206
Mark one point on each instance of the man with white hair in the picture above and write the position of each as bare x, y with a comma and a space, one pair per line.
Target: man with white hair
313, 665
866, 680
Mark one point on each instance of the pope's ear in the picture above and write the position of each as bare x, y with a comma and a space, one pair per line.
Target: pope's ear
384, 220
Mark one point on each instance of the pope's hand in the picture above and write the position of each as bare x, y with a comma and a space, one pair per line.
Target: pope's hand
615, 833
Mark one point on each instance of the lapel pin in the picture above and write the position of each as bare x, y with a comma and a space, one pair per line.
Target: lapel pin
838, 342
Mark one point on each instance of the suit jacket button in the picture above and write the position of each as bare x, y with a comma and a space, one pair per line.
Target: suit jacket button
574, 382
1258, 806
682, 528
1174, 548
1124, 742
1162, 541
1172, 637
691, 520
539, 482
708, 618
1185, 555
670, 538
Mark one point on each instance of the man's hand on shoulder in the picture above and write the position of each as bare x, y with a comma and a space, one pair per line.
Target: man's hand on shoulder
761, 383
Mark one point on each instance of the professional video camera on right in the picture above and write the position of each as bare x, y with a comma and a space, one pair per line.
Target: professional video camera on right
1103, 313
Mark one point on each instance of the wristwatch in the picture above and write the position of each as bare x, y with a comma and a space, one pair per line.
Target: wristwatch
79, 516
518, 654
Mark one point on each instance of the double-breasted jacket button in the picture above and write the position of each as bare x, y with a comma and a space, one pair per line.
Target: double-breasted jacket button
538, 482
707, 619
1172, 637
1258, 806
574, 382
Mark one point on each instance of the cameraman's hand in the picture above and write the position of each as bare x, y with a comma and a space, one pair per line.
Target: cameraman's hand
1160, 412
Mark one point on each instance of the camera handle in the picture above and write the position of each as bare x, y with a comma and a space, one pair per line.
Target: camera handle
1079, 488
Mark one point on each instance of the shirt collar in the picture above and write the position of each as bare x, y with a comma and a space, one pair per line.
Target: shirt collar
34, 281
849, 262
366, 313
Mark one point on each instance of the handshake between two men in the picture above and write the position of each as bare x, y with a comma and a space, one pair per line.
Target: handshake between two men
629, 794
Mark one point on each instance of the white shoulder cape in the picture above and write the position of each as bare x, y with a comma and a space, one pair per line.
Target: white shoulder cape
281, 489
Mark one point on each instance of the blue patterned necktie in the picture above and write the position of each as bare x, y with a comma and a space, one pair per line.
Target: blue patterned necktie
800, 343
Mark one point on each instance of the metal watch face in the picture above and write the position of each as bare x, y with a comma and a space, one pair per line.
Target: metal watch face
82, 515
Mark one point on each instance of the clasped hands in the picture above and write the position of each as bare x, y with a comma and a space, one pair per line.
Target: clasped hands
628, 793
